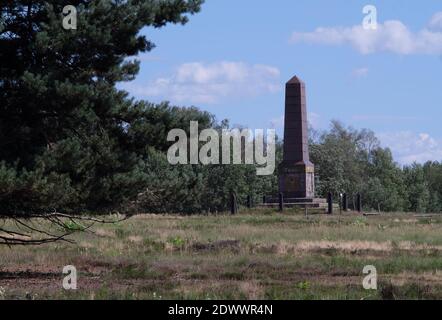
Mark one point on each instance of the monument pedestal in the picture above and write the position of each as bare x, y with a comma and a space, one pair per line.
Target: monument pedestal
297, 180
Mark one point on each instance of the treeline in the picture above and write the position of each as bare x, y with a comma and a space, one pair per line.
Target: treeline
352, 161
126, 171
100, 174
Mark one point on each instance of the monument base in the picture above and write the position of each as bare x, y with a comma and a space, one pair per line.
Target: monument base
297, 181
314, 203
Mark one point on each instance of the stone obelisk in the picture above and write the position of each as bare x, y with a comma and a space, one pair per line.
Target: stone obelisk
296, 172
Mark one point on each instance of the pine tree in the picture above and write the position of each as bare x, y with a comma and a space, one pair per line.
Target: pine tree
64, 126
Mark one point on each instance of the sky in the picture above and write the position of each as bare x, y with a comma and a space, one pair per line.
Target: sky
234, 57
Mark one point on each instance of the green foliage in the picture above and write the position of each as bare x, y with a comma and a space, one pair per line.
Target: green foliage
418, 190
352, 161
72, 226
196, 188
177, 242
304, 285
70, 140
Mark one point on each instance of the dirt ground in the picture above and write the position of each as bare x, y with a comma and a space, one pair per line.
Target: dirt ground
254, 255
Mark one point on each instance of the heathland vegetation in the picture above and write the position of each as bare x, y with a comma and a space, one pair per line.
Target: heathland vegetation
259, 254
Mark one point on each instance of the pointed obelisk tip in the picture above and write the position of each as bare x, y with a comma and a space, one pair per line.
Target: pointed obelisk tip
295, 80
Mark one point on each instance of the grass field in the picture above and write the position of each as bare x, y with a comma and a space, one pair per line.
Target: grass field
254, 255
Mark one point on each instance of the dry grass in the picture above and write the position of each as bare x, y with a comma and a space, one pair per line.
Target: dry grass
256, 255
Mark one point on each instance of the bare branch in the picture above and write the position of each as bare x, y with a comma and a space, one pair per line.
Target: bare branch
56, 219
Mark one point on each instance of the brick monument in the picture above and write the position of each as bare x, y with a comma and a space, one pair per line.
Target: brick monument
296, 172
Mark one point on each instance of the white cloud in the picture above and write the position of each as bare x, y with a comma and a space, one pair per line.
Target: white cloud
436, 21
391, 36
198, 82
360, 72
409, 147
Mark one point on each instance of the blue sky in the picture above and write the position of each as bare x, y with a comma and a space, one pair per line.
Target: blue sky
234, 57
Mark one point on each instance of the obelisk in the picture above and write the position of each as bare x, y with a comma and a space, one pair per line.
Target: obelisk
296, 172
